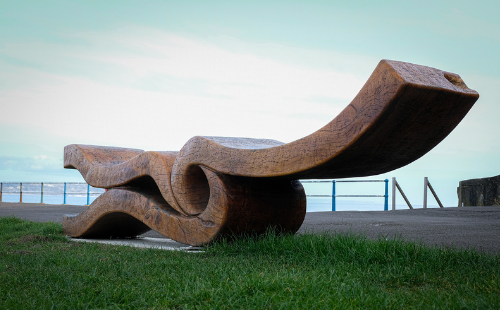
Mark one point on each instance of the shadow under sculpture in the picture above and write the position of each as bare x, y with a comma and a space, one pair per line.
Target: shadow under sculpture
219, 186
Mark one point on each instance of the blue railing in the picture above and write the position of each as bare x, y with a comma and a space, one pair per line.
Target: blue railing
48, 188
334, 194
17, 188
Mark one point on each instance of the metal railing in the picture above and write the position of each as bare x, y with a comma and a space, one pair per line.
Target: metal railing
91, 191
20, 188
427, 184
334, 194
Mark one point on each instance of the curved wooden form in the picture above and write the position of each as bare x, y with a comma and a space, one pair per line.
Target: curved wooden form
217, 186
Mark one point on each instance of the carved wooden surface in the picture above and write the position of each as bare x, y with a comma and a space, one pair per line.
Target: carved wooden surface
217, 186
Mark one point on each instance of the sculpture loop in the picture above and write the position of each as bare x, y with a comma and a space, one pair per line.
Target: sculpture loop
216, 186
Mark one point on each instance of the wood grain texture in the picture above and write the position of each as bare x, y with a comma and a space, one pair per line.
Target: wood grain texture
236, 205
401, 113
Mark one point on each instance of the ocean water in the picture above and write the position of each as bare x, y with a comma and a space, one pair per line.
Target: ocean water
51, 199
77, 195
314, 204
53, 193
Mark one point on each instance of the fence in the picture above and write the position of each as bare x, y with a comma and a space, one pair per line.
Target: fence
65, 189
69, 189
427, 184
334, 194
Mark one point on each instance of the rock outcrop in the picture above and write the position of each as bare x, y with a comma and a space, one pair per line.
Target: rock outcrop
479, 192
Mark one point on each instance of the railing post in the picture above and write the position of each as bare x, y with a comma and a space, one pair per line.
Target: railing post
41, 194
426, 181
435, 195
402, 194
88, 194
64, 202
333, 195
386, 203
21, 192
393, 194
1, 191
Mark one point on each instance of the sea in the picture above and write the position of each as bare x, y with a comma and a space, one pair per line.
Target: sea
82, 194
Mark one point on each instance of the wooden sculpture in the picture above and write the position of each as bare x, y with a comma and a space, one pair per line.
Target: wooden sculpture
217, 186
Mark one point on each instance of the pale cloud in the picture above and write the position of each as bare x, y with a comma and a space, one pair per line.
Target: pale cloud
154, 90
228, 72
35, 163
207, 90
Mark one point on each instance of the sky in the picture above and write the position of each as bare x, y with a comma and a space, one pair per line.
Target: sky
152, 74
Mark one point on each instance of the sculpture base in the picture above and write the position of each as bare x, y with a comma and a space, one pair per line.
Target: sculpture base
237, 205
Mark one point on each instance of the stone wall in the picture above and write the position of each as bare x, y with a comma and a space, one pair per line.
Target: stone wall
479, 192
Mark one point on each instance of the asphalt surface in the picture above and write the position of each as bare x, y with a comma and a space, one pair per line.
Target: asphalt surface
469, 227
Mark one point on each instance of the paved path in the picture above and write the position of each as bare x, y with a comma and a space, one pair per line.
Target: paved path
469, 227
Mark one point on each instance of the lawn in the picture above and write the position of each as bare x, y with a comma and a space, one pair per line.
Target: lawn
40, 268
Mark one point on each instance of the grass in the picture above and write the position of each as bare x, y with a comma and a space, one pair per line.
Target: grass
40, 269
